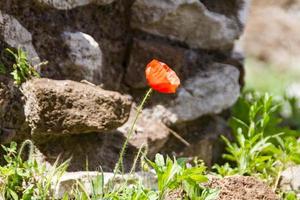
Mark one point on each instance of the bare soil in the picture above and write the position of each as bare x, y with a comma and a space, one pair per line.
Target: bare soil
242, 188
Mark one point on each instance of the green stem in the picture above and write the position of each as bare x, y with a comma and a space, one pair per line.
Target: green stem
131, 130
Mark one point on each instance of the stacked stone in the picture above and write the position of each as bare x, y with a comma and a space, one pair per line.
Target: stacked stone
108, 43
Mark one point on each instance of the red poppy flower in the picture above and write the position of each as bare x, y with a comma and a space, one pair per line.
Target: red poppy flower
161, 78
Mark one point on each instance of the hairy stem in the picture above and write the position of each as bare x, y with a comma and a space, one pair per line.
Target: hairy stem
31, 148
136, 159
120, 163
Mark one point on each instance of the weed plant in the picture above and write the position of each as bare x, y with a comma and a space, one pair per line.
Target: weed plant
28, 179
261, 146
22, 69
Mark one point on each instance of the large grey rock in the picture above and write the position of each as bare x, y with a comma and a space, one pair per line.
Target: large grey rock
208, 92
70, 4
15, 35
85, 58
187, 21
68, 107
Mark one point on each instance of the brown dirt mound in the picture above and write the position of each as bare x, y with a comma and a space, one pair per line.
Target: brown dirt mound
242, 188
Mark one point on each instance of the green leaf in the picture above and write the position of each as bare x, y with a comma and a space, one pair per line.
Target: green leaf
194, 174
2, 68
97, 185
212, 194
159, 160
13, 194
290, 196
22, 69
65, 197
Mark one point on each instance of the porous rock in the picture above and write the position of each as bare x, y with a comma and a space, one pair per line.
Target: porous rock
68, 107
187, 21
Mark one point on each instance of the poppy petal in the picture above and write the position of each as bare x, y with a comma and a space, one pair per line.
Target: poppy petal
161, 78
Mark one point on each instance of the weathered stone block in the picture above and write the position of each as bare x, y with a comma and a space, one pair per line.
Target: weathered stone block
85, 58
187, 21
208, 92
68, 107
15, 35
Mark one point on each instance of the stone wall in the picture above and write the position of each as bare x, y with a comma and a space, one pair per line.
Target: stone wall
107, 43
